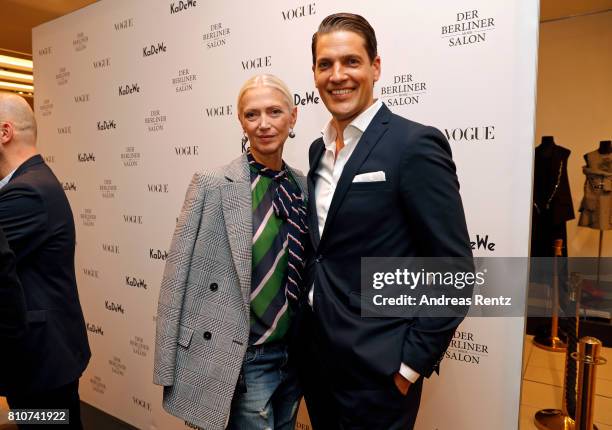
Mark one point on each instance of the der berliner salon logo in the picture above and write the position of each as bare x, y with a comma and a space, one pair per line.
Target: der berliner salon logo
155, 121
184, 81
80, 43
62, 76
216, 36
46, 108
405, 89
469, 28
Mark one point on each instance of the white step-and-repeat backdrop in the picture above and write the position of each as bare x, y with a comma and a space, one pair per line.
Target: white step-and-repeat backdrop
132, 97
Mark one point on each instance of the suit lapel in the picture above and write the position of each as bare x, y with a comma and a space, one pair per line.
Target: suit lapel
368, 141
313, 219
238, 215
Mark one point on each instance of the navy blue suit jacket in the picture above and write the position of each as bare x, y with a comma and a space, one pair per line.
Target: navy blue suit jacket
416, 212
37, 220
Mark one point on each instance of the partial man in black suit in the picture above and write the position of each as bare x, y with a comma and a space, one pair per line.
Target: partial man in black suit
380, 186
37, 220
12, 302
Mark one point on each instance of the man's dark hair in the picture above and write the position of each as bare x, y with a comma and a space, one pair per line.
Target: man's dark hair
347, 22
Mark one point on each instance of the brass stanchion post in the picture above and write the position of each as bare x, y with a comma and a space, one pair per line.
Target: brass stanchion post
588, 358
553, 342
560, 419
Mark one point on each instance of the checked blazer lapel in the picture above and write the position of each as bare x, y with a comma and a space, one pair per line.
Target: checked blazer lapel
238, 214
368, 141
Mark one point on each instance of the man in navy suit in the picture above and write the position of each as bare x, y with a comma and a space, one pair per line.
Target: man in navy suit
37, 220
380, 186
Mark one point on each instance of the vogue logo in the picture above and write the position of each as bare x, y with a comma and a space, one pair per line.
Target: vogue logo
106, 125
82, 98
85, 158
155, 121
117, 367
158, 254
44, 51
470, 133
131, 281
217, 36
130, 157
147, 51
482, 242
464, 348
114, 307
91, 273
62, 76
187, 150
125, 24
132, 219
64, 130
69, 186
139, 347
157, 188
181, 5
100, 64
257, 63
110, 248
141, 403
184, 81
46, 108
49, 159
88, 218
403, 91
95, 329
124, 90
299, 12
219, 111
80, 43
191, 426
107, 189
306, 99
468, 29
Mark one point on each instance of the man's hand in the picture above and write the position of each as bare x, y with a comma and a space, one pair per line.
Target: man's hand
401, 383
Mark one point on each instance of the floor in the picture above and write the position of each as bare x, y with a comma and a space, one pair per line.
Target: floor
543, 385
542, 389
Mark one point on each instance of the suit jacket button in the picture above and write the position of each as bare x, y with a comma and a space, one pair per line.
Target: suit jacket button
207, 335
214, 286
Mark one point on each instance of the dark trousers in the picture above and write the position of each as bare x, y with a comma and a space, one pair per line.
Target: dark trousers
336, 405
64, 397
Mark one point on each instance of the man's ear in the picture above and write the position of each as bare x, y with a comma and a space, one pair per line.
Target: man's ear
6, 132
376, 66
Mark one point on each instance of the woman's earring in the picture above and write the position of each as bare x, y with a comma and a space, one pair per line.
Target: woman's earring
244, 140
291, 134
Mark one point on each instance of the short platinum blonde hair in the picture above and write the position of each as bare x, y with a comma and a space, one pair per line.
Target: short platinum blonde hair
265, 80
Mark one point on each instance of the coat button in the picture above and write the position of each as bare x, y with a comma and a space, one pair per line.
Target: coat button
214, 286
207, 335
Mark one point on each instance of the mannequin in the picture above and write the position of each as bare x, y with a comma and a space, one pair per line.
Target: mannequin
552, 200
596, 206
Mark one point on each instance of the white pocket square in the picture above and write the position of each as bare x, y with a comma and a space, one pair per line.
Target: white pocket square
370, 177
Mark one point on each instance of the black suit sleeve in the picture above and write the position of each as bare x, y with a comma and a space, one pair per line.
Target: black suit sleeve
431, 200
23, 218
12, 301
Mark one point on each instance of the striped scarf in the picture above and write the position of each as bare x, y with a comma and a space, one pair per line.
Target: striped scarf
289, 206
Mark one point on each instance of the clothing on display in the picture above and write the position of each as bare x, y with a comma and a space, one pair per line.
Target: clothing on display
552, 199
596, 206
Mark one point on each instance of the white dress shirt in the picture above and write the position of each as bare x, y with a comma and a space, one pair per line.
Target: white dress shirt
328, 174
7, 178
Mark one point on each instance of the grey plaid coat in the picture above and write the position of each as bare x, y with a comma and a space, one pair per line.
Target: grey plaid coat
203, 312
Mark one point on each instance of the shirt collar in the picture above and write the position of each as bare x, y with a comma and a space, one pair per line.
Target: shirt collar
7, 178
359, 124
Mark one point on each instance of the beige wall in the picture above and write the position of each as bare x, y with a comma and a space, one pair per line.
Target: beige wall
574, 104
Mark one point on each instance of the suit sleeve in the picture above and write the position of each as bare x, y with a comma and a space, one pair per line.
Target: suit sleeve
174, 283
12, 301
431, 200
23, 217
